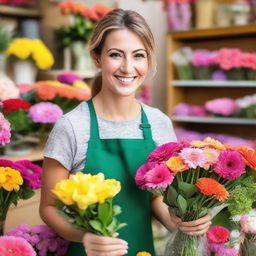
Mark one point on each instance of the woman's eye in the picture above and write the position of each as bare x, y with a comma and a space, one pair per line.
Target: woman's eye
115, 55
140, 55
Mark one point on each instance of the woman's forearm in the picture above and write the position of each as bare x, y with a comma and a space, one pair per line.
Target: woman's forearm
60, 225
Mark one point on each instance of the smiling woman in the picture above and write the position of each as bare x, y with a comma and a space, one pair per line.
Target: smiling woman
112, 133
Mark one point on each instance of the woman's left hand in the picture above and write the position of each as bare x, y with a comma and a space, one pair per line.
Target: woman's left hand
195, 227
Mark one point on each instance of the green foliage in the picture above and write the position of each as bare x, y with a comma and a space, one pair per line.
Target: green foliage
80, 30
5, 38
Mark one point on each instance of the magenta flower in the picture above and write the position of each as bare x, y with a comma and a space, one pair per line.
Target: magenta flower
165, 151
218, 235
222, 106
195, 110
181, 109
18, 246
158, 177
68, 78
140, 177
5, 130
202, 58
193, 157
230, 165
33, 173
13, 165
45, 112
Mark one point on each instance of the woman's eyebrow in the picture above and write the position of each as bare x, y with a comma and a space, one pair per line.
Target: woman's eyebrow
116, 49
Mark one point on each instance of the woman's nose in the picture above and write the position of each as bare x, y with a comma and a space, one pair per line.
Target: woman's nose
127, 65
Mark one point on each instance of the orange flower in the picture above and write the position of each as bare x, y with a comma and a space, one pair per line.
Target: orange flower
45, 91
101, 9
66, 91
176, 164
208, 142
209, 186
82, 94
249, 156
198, 144
143, 254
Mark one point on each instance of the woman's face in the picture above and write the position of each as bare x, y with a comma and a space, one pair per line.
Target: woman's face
124, 63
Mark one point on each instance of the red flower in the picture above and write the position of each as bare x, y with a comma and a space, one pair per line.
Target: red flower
218, 235
12, 105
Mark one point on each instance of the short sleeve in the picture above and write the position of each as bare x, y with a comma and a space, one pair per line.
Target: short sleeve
61, 143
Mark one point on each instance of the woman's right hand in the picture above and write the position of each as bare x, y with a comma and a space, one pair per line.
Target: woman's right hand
96, 245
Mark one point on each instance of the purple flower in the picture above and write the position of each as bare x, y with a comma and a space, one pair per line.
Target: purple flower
182, 109
219, 75
197, 111
45, 112
230, 165
33, 173
165, 151
68, 78
222, 106
5, 130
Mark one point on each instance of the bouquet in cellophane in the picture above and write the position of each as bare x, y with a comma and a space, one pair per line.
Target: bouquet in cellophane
194, 178
86, 200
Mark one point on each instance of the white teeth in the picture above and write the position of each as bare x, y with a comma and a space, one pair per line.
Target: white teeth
126, 80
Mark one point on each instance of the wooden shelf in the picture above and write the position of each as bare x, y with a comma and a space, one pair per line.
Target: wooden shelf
214, 120
213, 83
35, 155
217, 32
19, 11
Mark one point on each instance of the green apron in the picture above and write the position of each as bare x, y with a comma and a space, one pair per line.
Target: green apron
120, 159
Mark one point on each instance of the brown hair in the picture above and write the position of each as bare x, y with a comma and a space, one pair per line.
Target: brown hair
115, 20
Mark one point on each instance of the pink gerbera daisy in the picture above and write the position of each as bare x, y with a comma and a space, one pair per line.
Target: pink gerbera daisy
193, 157
230, 165
218, 235
140, 178
15, 246
158, 177
165, 151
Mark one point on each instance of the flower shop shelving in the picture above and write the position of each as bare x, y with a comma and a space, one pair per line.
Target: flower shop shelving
6, 10
197, 92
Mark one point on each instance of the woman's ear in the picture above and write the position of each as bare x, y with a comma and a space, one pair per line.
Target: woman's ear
96, 59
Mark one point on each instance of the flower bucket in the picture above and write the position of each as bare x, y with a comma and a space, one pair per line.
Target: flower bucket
24, 72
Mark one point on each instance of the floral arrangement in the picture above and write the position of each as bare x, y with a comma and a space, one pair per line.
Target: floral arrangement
42, 238
18, 181
86, 200
234, 64
5, 130
221, 241
195, 178
83, 21
35, 49
190, 135
18, 246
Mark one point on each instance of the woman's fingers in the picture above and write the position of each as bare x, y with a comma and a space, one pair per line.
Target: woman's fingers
96, 245
202, 228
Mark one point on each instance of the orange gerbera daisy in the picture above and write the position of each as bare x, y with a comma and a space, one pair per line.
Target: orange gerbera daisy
214, 143
45, 91
176, 164
249, 156
198, 144
143, 254
209, 186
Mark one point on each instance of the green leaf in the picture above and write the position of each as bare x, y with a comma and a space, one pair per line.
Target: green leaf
105, 213
182, 204
97, 225
19, 121
26, 193
187, 190
112, 226
121, 225
116, 210
171, 196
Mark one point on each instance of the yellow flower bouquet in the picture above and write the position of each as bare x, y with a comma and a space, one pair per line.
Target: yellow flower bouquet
86, 200
24, 48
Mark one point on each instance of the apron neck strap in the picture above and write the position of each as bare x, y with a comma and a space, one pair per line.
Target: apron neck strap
94, 129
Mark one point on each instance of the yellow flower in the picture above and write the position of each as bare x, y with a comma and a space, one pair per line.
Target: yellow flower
208, 142
108, 189
64, 190
176, 164
10, 179
143, 254
24, 48
81, 84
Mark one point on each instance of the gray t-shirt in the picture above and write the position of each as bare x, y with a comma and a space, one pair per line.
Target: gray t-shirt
68, 140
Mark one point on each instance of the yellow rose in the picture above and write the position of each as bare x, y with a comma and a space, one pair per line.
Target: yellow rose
64, 190
10, 179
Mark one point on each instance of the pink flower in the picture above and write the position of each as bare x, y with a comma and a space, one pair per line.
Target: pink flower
33, 173
193, 157
5, 130
197, 111
8, 90
158, 177
221, 106
248, 223
69, 77
181, 109
165, 151
230, 165
140, 177
45, 112
15, 246
202, 58
218, 235
25, 88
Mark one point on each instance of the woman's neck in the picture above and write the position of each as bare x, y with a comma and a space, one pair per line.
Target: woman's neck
116, 109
